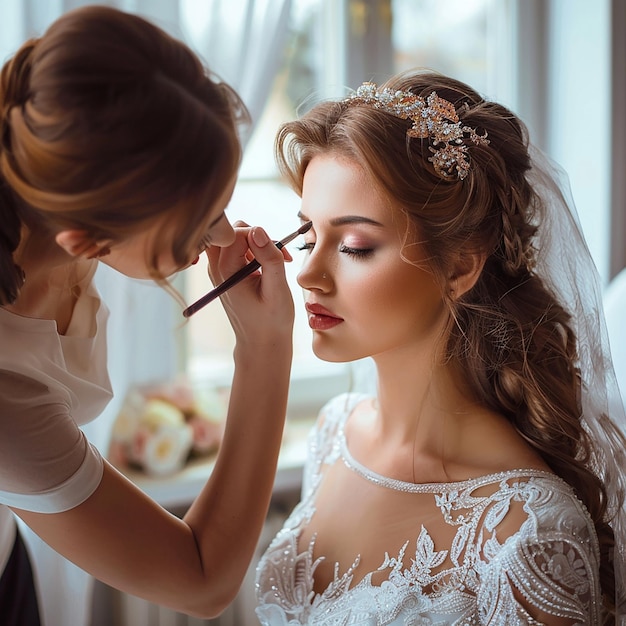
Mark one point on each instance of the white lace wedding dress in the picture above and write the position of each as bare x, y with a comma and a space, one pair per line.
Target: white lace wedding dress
489, 548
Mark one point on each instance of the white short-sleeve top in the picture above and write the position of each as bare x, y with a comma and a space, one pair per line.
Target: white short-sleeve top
49, 385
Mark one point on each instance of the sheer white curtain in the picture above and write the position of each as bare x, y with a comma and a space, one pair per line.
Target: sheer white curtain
242, 41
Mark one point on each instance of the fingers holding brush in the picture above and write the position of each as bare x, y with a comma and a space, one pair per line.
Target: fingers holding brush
226, 262
258, 303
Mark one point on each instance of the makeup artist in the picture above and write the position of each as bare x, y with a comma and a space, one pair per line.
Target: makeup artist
118, 146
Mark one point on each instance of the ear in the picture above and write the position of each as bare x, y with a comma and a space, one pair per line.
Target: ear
79, 243
467, 270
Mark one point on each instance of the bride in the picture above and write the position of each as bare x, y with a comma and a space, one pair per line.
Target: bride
483, 484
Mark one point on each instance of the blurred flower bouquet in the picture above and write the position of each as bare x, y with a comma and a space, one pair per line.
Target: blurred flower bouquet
161, 427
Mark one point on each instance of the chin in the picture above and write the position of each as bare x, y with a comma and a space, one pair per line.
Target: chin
332, 355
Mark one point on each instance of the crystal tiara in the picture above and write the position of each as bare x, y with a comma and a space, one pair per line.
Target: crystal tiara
433, 118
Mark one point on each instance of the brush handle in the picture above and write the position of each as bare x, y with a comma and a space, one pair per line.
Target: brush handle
237, 277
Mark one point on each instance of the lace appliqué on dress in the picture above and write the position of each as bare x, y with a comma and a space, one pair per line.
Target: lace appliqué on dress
550, 563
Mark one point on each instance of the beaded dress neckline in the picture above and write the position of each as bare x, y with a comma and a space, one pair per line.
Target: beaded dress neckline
436, 487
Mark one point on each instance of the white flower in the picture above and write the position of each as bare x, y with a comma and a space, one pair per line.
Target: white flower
166, 449
158, 413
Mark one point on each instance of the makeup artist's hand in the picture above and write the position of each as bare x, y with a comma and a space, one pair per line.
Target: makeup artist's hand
260, 308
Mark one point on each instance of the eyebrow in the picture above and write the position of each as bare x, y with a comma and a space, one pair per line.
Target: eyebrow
346, 219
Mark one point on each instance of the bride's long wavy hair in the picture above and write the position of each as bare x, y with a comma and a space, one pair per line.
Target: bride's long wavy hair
510, 334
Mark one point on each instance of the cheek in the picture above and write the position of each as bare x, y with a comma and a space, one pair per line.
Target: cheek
404, 297
132, 262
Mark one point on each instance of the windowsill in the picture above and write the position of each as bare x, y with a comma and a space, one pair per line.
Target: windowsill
312, 383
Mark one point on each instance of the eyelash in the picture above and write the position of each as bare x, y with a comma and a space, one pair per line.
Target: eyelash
355, 252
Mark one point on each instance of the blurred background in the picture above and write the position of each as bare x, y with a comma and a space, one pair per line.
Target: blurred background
559, 64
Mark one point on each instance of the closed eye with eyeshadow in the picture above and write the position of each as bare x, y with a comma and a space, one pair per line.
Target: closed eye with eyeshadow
350, 250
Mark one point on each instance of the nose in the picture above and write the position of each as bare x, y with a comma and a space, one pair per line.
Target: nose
314, 275
222, 234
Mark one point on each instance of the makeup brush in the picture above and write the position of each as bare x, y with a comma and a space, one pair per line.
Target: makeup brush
237, 277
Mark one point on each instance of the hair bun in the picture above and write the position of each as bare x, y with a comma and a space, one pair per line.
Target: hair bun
15, 85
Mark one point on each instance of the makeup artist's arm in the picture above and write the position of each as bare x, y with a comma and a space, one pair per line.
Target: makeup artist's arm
196, 565
261, 312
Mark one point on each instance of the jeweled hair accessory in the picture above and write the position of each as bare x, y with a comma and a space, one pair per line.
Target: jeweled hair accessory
433, 118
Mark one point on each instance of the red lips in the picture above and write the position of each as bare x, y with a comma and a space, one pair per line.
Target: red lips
321, 318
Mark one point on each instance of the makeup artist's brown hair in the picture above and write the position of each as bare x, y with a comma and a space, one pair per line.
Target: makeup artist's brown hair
511, 337
107, 123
